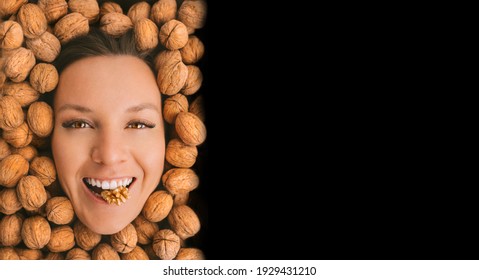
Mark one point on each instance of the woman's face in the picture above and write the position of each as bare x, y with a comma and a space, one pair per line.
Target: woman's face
108, 132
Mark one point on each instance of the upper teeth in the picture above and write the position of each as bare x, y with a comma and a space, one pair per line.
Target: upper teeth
109, 184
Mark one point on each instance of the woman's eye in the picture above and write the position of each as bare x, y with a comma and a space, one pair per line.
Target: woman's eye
76, 124
140, 125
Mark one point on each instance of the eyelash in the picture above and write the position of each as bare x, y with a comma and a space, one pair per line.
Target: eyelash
79, 124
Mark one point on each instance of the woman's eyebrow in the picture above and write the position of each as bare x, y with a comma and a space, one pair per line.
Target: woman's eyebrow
75, 107
143, 106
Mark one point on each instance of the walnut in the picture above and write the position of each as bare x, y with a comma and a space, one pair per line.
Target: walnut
163, 11
190, 254
4, 149
174, 105
110, 7
22, 92
61, 239
29, 254
190, 30
193, 81
139, 11
10, 230
53, 9
46, 47
180, 154
136, 254
197, 108
32, 19
115, 24
193, 51
181, 198
144, 229
88, 8
150, 253
3, 78
18, 137
71, 26
104, 252
40, 118
157, 206
117, 196
11, 35
12, 168
166, 244
59, 210
125, 240
172, 72
85, 237
31, 193
40, 142
173, 35
193, 13
184, 221
77, 254
180, 180
8, 253
28, 152
36, 232
44, 169
54, 256
11, 114
9, 202
190, 128
146, 35
44, 77
19, 64
10, 7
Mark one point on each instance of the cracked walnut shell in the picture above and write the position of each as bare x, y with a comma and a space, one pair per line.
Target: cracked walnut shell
11, 35
157, 206
36, 232
166, 244
180, 154
12, 168
46, 47
53, 9
44, 77
173, 35
40, 118
59, 210
163, 11
31, 193
44, 169
19, 64
184, 221
71, 26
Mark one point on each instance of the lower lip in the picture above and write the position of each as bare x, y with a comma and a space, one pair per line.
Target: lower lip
100, 199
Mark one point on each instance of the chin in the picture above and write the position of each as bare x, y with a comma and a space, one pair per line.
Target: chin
108, 226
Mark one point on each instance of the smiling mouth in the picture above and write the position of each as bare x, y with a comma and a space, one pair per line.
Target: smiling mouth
112, 191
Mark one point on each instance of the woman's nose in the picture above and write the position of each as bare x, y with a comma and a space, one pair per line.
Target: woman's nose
109, 148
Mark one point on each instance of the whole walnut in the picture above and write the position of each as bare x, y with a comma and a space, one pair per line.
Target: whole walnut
10, 7
12, 168
115, 24
88, 8
181, 198
190, 128
29, 254
125, 240
110, 7
59, 210
8, 253
28, 152
174, 105
19, 64
44, 169
32, 19
11, 230
180, 180
22, 92
157, 206
193, 81
172, 72
53, 9
140, 10
184, 221
163, 11
180, 154
85, 238
77, 254
136, 254
4, 149
173, 35
146, 35
150, 253
104, 252
197, 108
46, 47
31, 193
44, 77
144, 229
36, 232
11, 35
11, 114
166, 244
40, 118
193, 51
61, 239
71, 26
193, 13
18, 137
9, 203
190, 254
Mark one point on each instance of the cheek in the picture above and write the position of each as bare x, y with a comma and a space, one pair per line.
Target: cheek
67, 154
151, 156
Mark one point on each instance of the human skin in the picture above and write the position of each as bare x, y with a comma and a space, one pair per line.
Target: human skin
108, 127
